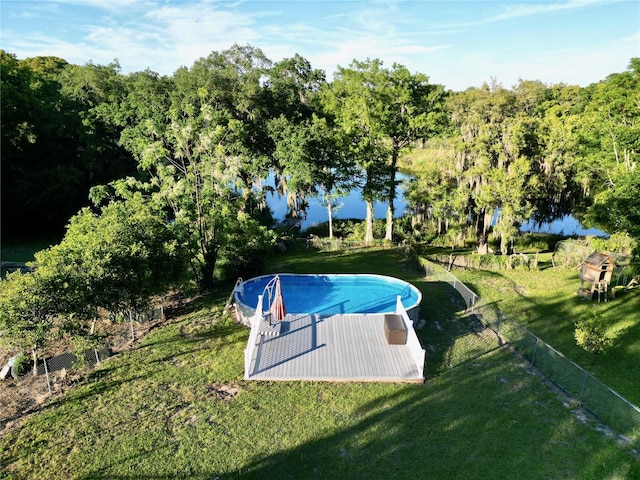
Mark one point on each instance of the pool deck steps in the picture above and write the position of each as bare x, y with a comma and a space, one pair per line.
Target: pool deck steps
347, 347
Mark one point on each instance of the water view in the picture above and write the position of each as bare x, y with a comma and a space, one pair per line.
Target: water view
352, 206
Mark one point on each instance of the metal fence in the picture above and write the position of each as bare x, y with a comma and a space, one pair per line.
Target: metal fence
67, 361
613, 410
123, 331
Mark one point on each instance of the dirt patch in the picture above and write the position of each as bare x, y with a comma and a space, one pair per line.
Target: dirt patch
28, 394
222, 391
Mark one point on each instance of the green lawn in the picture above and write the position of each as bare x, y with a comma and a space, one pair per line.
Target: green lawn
176, 407
545, 301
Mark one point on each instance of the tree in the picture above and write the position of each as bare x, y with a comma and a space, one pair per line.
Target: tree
291, 93
233, 85
384, 111
292, 86
432, 190
412, 110
116, 260
57, 140
613, 116
202, 158
38, 174
612, 153
561, 190
27, 318
95, 93
497, 150
617, 208
313, 161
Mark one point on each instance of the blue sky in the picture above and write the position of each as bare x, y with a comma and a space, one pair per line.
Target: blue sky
456, 43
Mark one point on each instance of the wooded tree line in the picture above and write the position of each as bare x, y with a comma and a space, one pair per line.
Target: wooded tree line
534, 151
530, 151
174, 165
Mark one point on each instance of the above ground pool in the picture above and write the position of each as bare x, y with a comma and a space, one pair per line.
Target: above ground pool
333, 294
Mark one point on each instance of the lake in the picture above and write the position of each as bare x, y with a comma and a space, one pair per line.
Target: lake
352, 206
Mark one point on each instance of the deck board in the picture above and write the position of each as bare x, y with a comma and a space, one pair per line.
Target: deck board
334, 348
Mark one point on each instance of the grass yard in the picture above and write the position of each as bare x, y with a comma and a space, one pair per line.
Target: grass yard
545, 301
176, 406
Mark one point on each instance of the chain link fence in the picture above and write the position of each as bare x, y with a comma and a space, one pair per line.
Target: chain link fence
613, 410
24, 392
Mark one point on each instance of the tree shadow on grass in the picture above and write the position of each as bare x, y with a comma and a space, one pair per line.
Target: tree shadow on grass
552, 319
485, 420
445, 432
450, 333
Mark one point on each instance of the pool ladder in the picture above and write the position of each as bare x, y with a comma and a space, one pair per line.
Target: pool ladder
268, 292
238, 287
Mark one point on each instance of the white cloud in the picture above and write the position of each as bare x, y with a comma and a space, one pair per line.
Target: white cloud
571, 65
164, 35
106, 5
514, 11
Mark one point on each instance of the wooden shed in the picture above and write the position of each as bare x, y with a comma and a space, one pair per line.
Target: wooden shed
595, 275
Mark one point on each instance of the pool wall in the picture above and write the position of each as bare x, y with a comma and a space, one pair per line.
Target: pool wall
246, 312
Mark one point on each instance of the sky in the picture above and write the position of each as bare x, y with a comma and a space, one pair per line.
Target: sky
458, 44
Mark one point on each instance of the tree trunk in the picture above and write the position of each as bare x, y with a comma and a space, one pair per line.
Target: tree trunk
504, 244
206, 272
483, 245
34, 358
481, 233
207, 269
392, 196
388, 236
330, 215
368, 236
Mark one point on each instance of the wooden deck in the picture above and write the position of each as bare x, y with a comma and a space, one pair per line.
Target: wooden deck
350, 347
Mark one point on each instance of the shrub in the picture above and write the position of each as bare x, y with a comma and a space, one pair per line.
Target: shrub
379, 226
342, 228
244, 252
617, 242
19, 366
591, 333
532, 242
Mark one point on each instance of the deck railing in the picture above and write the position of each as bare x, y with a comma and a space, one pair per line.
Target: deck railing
251, 344
417, 352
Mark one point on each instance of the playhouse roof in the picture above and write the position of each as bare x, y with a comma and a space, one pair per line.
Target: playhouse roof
599, 259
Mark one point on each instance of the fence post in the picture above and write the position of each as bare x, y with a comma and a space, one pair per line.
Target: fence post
133, 336
95, 352
535, 351
46, 372
584, 387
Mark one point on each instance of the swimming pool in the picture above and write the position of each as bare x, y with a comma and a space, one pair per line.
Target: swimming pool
333, 294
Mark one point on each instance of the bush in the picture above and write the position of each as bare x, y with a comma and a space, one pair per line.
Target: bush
532, 242
20, 365
618, 242
402, 229
342, 228
591, 333
360, 228
244, 254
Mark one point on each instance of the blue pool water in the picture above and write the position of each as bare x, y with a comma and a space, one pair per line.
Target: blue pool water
335, 294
